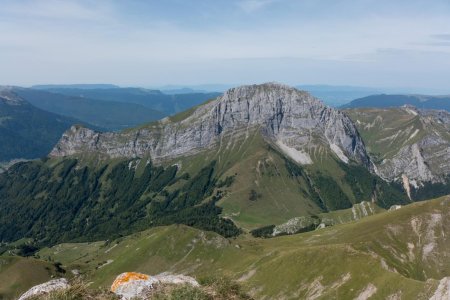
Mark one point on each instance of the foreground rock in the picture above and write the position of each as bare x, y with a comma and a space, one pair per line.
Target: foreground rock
130, 285
46, 288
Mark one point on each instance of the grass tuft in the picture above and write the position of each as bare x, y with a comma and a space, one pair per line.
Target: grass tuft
78, 291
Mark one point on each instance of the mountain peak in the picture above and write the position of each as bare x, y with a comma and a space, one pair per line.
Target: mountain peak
264, 86
269, 97
293, 121
267, 88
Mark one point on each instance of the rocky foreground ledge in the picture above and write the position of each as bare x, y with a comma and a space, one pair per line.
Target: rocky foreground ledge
128, 285
133, 285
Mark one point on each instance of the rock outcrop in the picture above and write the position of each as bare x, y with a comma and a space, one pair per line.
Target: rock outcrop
309, 223
296, 225
413, 162
45, 288
291, 119
132, 285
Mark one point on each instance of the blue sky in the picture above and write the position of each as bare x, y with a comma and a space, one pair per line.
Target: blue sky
150, 43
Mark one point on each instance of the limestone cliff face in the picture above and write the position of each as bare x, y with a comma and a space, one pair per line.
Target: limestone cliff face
411, 163
293, 120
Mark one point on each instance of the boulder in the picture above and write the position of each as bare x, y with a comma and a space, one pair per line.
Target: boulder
45, 288
131, 285
395, 207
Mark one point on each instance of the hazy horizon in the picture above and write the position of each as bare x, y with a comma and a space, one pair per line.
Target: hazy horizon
220, 87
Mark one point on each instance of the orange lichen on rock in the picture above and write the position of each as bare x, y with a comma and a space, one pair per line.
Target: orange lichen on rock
127, 277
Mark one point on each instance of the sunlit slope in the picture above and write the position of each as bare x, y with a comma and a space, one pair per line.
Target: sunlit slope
402, 252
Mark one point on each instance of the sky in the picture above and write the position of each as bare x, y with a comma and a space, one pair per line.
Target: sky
382, 43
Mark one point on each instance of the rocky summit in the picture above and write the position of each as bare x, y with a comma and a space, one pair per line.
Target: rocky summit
296, 122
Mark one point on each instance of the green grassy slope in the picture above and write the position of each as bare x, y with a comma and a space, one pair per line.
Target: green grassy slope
358, 211
284, 189
258, 167
402, 252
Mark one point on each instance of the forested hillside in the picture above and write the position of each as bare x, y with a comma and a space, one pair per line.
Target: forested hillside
65, 201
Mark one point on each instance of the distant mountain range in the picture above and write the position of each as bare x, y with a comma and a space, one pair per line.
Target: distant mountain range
419, 101
107, 106
338, 95
152, 99
108, 115
73, 86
